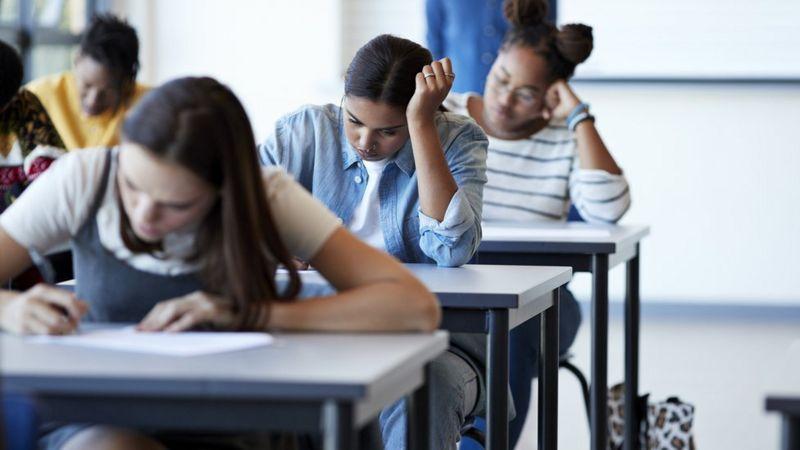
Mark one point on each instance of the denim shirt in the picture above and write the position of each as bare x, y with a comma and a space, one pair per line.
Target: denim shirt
311, 145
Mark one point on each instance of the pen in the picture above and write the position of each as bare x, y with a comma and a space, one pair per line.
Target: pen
48, 273
44, 266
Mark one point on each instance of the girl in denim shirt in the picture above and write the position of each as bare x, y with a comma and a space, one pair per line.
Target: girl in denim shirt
404, 177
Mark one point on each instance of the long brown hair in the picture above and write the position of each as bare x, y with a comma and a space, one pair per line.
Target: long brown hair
562, 48
199, 124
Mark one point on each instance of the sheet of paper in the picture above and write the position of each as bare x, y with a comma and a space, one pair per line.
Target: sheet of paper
501, 232
173, 344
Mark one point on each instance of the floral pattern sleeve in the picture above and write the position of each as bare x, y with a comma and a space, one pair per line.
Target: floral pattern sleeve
33, 126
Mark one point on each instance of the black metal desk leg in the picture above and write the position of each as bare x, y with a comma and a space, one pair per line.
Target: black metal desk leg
418, 416
632, 315
599, 388
497, 381
548, 377
338, 430
790, 439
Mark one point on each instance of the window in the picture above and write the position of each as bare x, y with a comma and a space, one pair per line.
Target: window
46, 32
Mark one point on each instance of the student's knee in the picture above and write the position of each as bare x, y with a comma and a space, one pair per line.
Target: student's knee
111, 438
454, 393
453, 386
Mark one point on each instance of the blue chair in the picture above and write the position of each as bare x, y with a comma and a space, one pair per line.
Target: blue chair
473, 434
19, 423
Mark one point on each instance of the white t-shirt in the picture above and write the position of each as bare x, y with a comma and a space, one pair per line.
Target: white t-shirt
366, 220
54, 208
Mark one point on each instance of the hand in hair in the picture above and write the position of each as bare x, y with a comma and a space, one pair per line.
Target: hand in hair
559, 100
431, 90
190, 311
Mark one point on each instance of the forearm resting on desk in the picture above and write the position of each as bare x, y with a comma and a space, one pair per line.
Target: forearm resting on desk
369, 308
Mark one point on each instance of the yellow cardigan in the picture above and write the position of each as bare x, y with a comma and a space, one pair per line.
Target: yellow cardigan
59, 95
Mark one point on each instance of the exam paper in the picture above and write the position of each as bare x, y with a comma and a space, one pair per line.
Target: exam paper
172, 344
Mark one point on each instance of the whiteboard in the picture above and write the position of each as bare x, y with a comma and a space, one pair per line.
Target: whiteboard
689, 39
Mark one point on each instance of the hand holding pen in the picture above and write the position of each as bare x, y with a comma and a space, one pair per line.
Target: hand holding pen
43, 309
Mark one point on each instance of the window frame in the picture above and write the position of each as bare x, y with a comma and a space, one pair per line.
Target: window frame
25, 34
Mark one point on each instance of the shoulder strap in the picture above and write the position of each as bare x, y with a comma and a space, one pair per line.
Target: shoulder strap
101, 189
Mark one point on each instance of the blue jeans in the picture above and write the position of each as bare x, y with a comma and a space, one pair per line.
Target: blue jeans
19, 422
524, 362
453, 391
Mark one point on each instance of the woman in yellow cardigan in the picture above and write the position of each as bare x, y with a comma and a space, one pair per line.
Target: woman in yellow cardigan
87, 105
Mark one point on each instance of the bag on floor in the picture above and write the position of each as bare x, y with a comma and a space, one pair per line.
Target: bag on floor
665, 425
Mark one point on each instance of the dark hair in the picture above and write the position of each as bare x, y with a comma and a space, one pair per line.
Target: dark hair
562, 49
384, 70
199, 124
113, 43
10, 73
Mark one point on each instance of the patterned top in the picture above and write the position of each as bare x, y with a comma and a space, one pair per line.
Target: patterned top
27, 121
24, 126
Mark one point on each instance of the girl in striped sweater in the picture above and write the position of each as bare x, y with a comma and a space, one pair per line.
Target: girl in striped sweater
545, 154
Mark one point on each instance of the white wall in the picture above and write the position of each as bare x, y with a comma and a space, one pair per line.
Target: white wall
275, 55
678, 38
713, 170
364, 19
712, 167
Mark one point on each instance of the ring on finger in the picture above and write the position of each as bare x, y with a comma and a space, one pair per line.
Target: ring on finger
428, 75
450, 75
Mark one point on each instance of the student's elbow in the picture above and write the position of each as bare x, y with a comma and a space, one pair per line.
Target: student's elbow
452, 258
609, 214
619, 212
448, 251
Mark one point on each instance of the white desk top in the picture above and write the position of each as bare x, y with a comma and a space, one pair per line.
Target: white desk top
784, 378
296, 366
562, 237
478, 286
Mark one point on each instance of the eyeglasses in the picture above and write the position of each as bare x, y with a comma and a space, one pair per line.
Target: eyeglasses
522, 95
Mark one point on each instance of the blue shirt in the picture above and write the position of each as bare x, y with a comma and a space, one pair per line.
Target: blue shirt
311, 145
469, 32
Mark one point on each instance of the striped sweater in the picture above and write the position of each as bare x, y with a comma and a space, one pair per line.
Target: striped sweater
536, 179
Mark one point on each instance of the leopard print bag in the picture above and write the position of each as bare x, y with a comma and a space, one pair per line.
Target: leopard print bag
666, 426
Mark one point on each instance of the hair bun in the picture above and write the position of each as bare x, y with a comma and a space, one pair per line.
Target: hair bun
575, 42
525, 13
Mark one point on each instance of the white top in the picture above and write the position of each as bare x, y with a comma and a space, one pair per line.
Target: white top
366, 220
536, 179
54, 208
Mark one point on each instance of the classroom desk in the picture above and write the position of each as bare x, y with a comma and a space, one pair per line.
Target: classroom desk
492, 300
788, 406
328, 383
784, 396
593, 249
